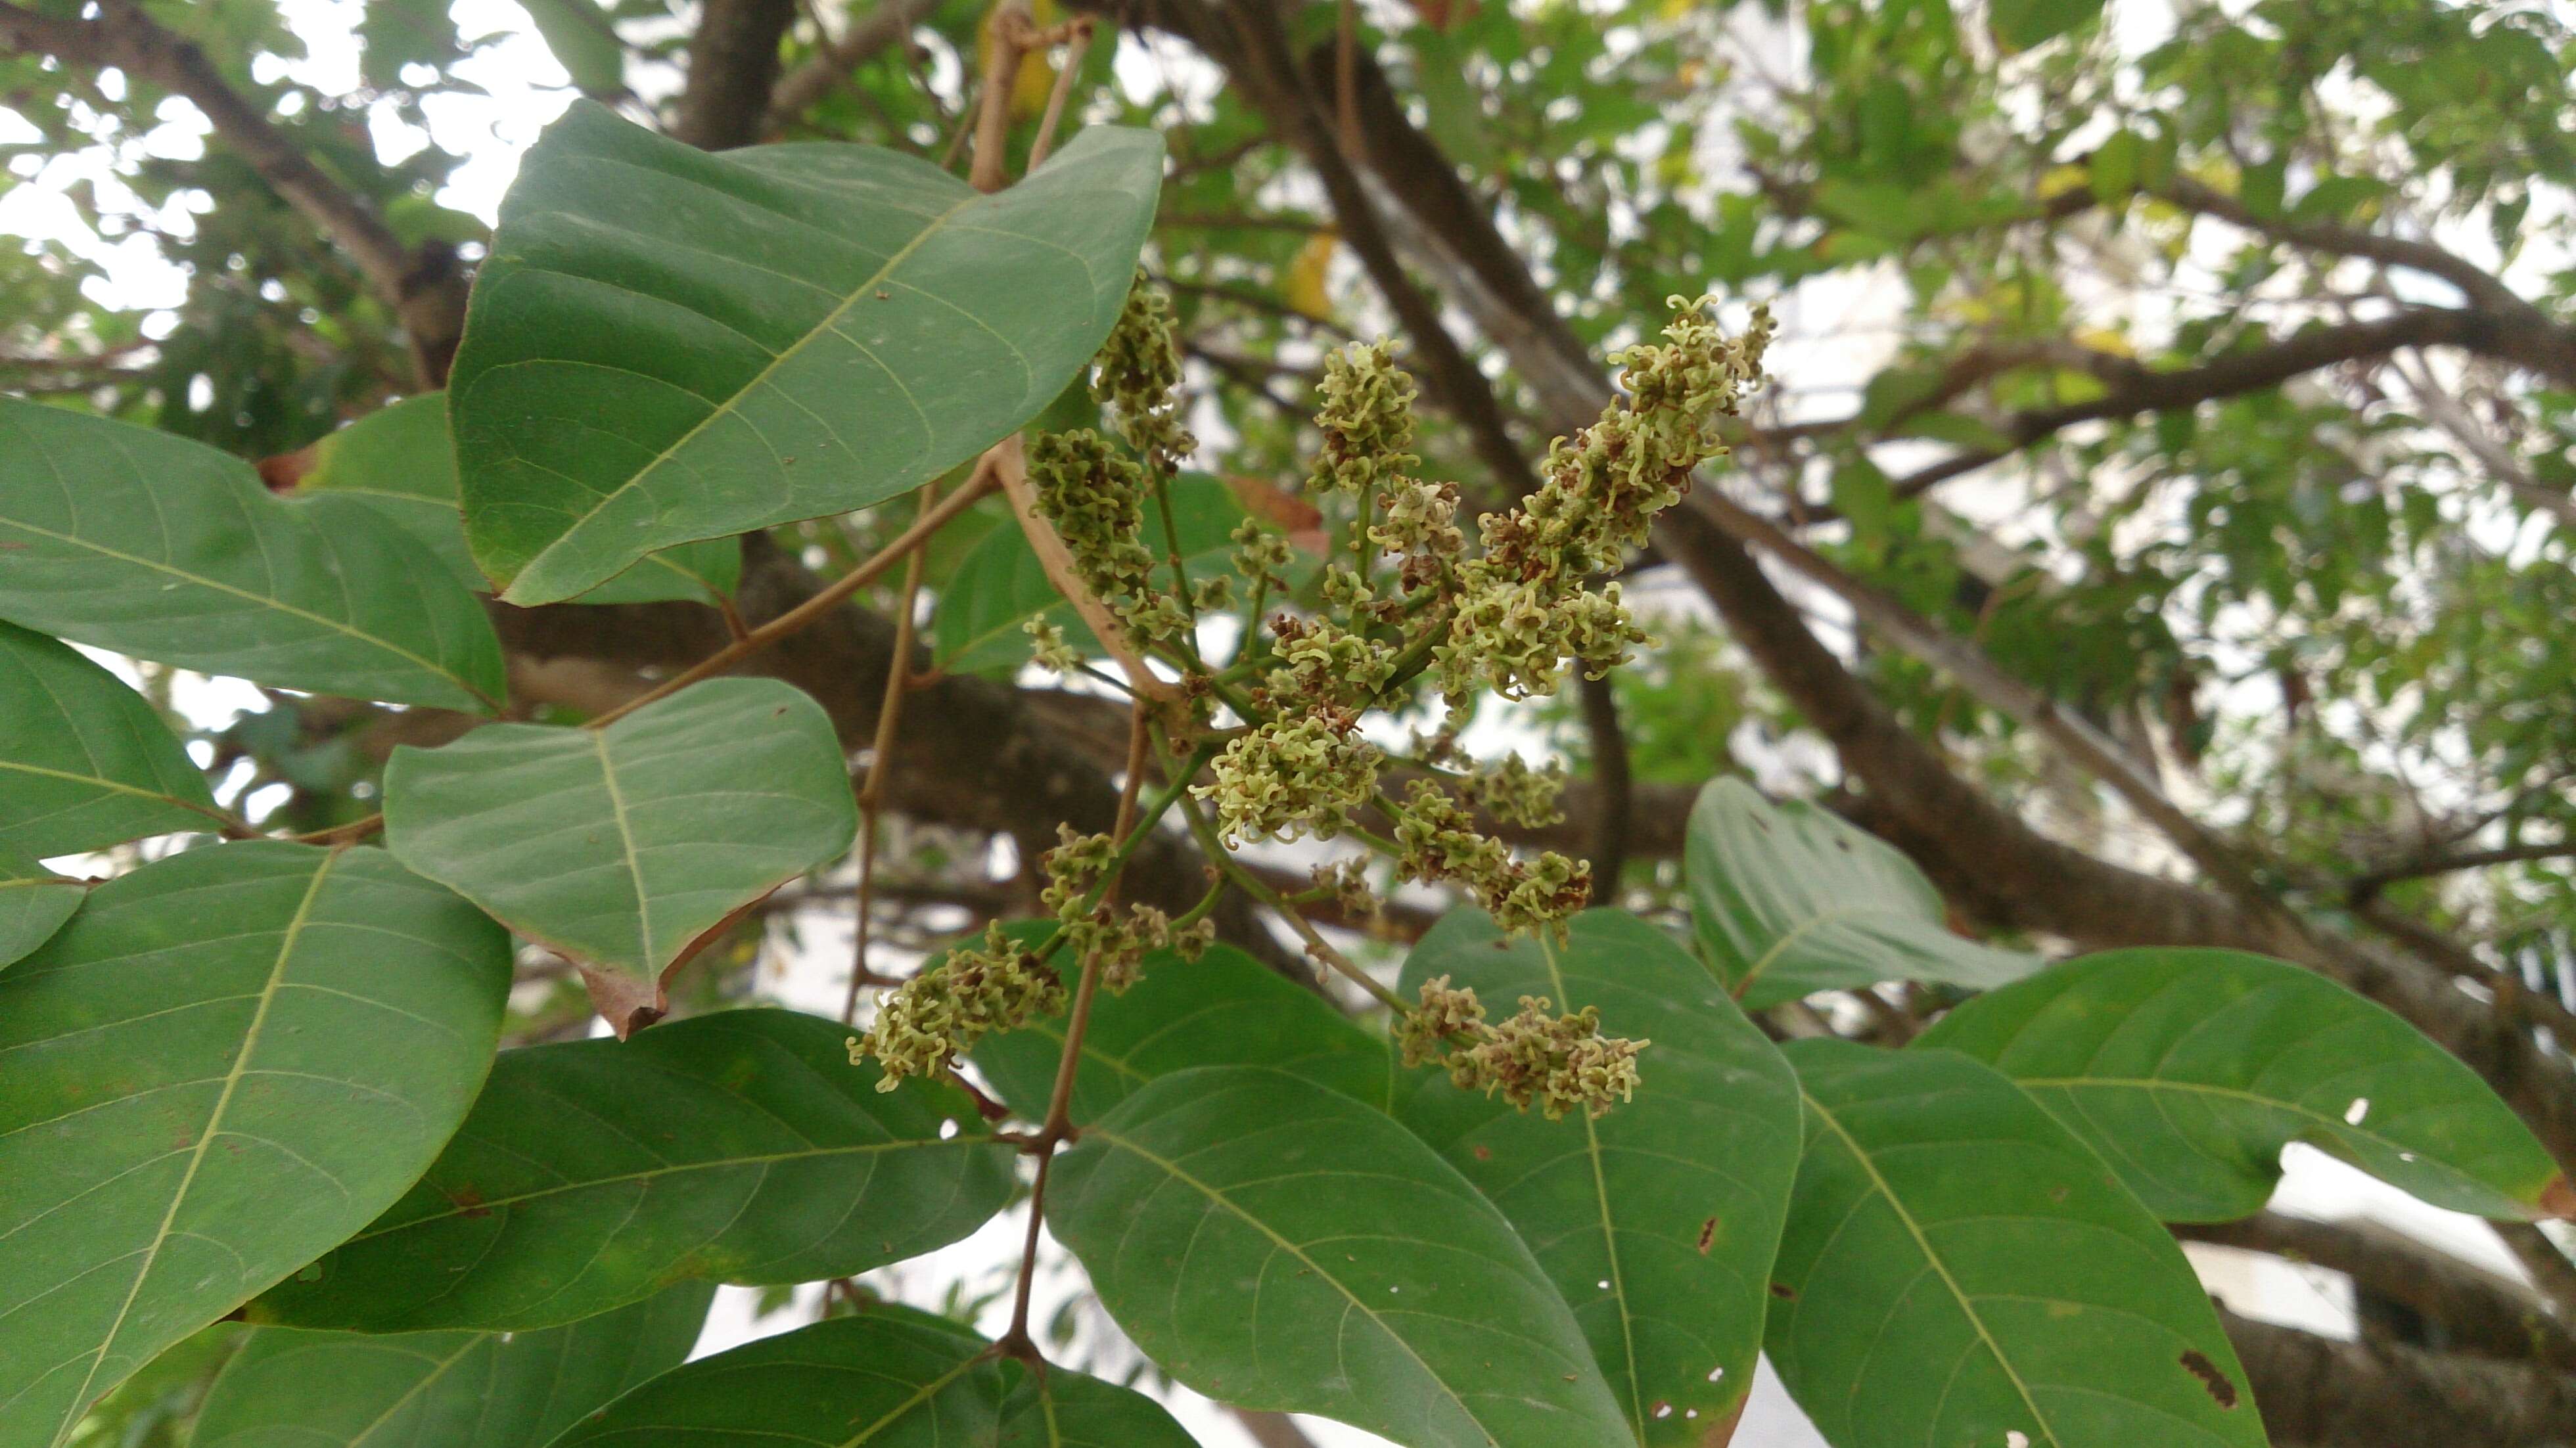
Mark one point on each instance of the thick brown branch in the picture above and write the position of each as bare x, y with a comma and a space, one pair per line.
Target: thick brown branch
733, 66
2319, 1393
2470, 1308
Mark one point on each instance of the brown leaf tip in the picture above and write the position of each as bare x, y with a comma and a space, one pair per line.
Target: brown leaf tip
2558, 1199
2221, 1391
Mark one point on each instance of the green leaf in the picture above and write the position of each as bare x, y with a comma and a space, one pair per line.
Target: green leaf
737, 1147
165, 549
2189, 1070
1001, 585
84, 762
1658, 1221
621, 847
34, 903
1223, 1009
1282, 1246
229, 1060
2021, 24
889, 1378
399, 461
578, 33
1958, 1269
292, 1388
669, 345
1789, 900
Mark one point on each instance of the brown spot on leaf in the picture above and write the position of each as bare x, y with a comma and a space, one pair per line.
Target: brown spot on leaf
2221, 1391
1707, 1235
1783, 1291
469, 1201
1484, 1153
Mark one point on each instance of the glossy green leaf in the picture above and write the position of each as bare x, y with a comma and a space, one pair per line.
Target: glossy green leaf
1958, 1269
1656, 1222
888, 1378
34, 903
1789, 899
229, 1060
165, 549
399, 461
1223, 1009
84, 762
1281, 1246
1001, 585
669, 345
2189, 1070
620, 847
292, 1388
737, 1147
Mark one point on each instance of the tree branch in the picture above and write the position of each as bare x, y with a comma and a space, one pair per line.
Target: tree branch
2472, 1309
2319, 1393
890, 22
733, 65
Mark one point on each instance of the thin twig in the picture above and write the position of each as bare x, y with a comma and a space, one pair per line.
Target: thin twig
872, 792
1078, 43
821, 604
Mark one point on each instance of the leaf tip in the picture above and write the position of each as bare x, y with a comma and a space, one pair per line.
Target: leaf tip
2557, 1201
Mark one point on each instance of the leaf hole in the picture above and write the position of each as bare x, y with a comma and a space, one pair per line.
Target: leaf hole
1663, 1410
2359, 1108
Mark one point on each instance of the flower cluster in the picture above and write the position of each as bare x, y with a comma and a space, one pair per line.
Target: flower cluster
1137, 377
1118, 941
1300, 775
1524, 605
942, 1012
1095, 498
1559, 1062
1440, 841
1515, 793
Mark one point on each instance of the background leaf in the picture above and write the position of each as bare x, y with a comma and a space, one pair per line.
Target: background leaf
1224, 1009
1277, 1245
888, 1378
1001, 585
2189, 1070
290, 1388
1657, 1222
1790, 900
400, 461
737, 1147
229, 1060
34, 903
84, 761
1958, 1269
620, 847
164, 549
669, 345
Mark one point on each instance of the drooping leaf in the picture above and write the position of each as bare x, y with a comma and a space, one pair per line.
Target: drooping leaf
1657, 1222
34, 903
293, 1388
583, 42
888, 1378
737, 1147
84, 762
400, 461
165, 549
1789, 900
621, 847
2189, 1070
1282, 1246
1001, 585
1223, 1009
669, 345
229, 1060
1958, 1269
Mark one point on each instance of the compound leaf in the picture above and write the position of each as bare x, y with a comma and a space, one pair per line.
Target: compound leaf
1790, 900
1223, 1009
1958, 1269
400, 461
2189, 1070
84, 762
165, 549
888, 1378
1658, 1221
621, 847
737, 1147
229, 1060
1281, 1246
669, 345
293, 1388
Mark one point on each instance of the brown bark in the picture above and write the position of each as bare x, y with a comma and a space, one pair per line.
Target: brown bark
2315, 1392
733, 66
